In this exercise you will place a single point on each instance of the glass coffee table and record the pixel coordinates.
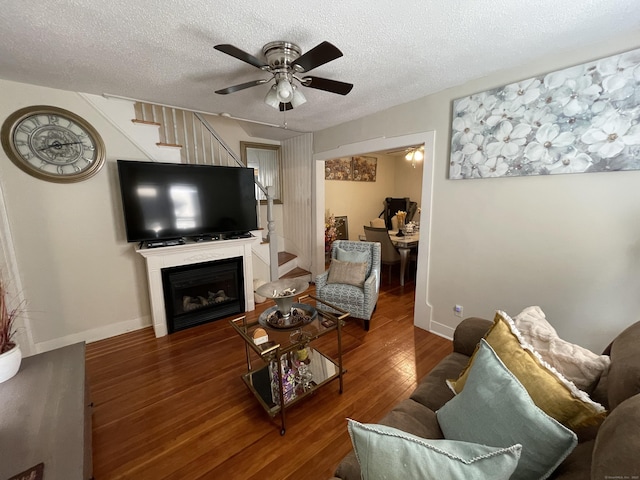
(290, 368)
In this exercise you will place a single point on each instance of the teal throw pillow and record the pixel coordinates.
(388, 453)
(351, 256)
(495, 409)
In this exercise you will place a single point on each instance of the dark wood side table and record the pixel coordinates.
(45, 416)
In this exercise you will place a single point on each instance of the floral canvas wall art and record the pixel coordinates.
(338, 169)
(364, 169)
(359, 169)
(581, 119)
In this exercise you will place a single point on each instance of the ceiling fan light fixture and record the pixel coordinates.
(284, 90)
(415, 155)
(283, 60)
(298, 98)
(272, 98)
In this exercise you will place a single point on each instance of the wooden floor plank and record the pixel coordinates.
(176, 408)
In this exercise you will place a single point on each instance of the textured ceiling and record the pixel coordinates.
(394, 52)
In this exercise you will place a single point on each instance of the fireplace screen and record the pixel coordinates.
(199, 293)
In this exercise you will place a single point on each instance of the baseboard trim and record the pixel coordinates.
(441, 330)
(95, 334)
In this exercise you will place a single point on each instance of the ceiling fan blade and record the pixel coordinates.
(240, 55)
(285, 106)
(241, 86)
(328, 85)
(318, 55)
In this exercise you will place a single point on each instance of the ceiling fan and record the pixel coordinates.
(285, 62)
(413, 153)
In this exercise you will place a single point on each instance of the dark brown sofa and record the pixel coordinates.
(610, 451)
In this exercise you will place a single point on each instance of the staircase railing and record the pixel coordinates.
(201, 144)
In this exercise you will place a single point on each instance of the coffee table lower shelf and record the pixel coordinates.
(324, 370)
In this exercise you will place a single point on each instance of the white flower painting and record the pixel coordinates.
(581, 119)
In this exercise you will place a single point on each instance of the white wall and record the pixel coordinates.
(568, 243)
(81, 280)
(298, 194)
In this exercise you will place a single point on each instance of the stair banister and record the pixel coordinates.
(268, 191)
(271, 235)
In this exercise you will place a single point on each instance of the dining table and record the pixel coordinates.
(404, 243)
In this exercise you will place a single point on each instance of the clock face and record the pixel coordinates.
(53, 144)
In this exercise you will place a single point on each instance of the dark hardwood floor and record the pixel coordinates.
(176, 408)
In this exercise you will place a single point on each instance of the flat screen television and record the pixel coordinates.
(168, 201)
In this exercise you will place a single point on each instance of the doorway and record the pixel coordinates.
(422, 312)
(360, 202)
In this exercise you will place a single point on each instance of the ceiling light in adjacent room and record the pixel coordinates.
(415, 155)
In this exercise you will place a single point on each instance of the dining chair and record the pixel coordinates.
(389, 253)
(377, 223)
(391, 206)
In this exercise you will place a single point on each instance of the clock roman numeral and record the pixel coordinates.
(70, 168)
(24, 128)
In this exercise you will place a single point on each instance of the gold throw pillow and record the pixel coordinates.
(551, 392)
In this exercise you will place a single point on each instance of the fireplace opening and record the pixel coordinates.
(202, 292)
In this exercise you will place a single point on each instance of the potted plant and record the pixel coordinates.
(10, 354)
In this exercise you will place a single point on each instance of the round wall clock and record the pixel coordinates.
(52, 144)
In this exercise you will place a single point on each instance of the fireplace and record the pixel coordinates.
(202, 292)
(163, 258)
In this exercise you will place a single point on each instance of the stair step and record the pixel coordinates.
(296, 272)
(161, 144)
(284, 257)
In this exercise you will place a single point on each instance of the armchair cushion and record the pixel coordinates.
(624, 374)
(348, 273)
(615, 453)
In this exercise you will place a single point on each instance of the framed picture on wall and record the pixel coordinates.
(359, 169)
(342, 228)
(338, 169)
(364, 169)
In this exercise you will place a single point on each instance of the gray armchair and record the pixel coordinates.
(360, 302)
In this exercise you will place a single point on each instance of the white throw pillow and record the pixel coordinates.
(578, 364)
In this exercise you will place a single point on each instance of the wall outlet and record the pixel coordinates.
(458, 309)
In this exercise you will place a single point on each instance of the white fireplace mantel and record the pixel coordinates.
(189, 253)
